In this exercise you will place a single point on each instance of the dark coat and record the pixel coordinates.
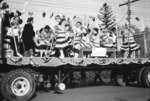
(27, 36)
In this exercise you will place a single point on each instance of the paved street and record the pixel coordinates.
(98, 93)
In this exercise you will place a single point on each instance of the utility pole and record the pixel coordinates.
(128, 3)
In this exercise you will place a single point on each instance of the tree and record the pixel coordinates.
(106, 17)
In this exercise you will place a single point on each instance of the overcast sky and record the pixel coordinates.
(140, 9)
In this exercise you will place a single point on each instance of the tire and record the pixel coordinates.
(105, 77)
(18, 85)
(146, 76)
(140, 76)
(33, 73)
(120, 80)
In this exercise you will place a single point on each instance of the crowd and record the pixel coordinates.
(68, 38)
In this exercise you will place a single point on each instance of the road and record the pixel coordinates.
(98, 93)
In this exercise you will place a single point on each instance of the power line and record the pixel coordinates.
(60, 4)
(53, 8)
(50, 5)
(55, 2)
(138, 7)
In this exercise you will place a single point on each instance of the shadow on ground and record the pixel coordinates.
(148, 99)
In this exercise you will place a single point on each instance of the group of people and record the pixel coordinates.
(67, 39)
(64, 40)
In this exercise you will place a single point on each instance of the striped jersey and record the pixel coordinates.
(62, 37)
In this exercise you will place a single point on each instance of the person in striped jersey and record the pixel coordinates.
(129, 45)
(63, 38)
(81, 40)
(78, 30)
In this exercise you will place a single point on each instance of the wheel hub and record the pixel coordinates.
(20, 86)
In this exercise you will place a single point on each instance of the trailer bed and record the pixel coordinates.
(85, 62)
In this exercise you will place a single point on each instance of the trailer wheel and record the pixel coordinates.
(18, 85)
(105, 77)
(120, 80)
(140, 77)
(146, 76)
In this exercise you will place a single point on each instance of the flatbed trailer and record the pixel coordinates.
(20, 77)
(23, 75)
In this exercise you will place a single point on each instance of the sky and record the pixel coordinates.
(140, 9)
